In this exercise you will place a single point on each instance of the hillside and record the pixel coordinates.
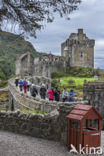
(10, 46)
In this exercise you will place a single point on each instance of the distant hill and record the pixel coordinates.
(10, 46)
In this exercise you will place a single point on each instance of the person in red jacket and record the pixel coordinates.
(50, 94)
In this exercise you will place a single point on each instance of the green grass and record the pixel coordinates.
(75, 83)
(78, 80)
(25, 111)
(2, 108)
(32, 111)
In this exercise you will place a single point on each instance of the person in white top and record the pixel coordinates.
(64, 95)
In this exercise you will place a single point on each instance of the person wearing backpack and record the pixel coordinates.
(43, 91)
(33, 90)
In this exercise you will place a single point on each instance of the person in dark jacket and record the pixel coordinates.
(28, 85)
(43, 91)
(16, 81)
(33, 90)
(57, 94)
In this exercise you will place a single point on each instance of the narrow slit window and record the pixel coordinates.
(81, 54)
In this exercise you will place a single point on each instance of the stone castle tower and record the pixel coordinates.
(80, 49)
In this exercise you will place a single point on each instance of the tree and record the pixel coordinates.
(30, 14)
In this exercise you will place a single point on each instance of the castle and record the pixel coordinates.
(77, 50)
(80, 49)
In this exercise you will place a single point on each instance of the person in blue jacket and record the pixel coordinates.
(21, 84)
(71, 96)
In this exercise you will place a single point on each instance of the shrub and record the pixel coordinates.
(54, 83)
(58, 74)
(3, 83)
(78, 72)
(71, 82)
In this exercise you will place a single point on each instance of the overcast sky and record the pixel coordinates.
(89, 16)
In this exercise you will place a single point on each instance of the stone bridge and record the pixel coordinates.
(52, 125)
(20, 100)
(25, 101)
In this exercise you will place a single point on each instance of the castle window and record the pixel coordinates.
(81, 54)
(56, 59)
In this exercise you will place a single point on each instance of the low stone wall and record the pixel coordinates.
(51, 126)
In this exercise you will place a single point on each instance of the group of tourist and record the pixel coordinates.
(53, 93)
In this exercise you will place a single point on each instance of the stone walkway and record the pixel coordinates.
(28, 93)
(19, 145)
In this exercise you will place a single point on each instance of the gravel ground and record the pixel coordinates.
(19, 145)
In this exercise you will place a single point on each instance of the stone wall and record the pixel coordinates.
(24, 64)
(46, 64)
(38, 80)
(51, 126)
(94, 93)
(43, 65)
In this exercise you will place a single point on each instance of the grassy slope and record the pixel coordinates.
(10, 46)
